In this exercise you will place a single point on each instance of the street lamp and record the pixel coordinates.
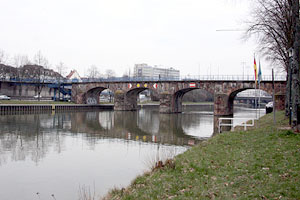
(290, 53)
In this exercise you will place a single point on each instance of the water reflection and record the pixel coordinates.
(45, 152)
(34, 135)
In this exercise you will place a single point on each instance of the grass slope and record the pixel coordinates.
(262, 163)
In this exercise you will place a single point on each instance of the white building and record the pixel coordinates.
(74, 76)
(146, 71)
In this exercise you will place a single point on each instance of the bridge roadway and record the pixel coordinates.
(171, 93)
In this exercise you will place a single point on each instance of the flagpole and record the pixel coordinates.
(255, 79)
(259, 80)
(274, 103)
(259, 99)
(255, 101)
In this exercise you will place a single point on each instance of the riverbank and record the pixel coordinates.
(9, 109)
(262, 163)
(24, 102)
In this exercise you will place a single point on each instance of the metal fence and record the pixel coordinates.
(139, 79)
(234, 122)
(185, 78)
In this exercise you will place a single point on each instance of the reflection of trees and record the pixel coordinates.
(27, 136)
(35, 135)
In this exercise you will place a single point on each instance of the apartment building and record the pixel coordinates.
(146, 71)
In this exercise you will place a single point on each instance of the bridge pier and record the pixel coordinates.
(223, 107)
(170, 103)
(124, 101)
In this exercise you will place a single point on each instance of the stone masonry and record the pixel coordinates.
(171, 93)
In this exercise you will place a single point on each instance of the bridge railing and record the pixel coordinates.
(233, 78)
(139, 79)
(234, 122)
(186, 78)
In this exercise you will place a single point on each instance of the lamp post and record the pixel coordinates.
(290, 53)
(295, 67)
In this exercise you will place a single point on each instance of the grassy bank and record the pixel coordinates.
(262, 163)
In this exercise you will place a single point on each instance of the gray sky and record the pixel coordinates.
(117, 34)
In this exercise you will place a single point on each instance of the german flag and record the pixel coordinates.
(255, 71)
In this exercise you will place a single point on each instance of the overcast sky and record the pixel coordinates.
(117, 34)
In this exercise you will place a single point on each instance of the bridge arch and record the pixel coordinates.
(127, 100)
(232, 96)
(171, 92)
(223, 105)
(178, 96)
(172, 103)
(92, 96)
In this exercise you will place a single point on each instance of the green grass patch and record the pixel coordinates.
(261, 163)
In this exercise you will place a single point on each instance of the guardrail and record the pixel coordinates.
(186, 78)
(138, 79)
(232, 124)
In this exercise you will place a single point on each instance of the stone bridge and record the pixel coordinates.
(171, 92)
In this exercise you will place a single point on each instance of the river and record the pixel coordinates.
(63, 155)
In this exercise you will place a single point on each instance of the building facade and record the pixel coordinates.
(74, 76)
(145, 71)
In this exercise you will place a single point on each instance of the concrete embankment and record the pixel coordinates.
(20, 108)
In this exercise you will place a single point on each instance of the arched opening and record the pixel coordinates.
(191, 96)
(106, 96)
(92, 96)
(249, 102)
(198, 96)
(131, 98)
(144, 96)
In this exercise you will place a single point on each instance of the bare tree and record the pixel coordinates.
(93, 72)
(273, 25)
(18, 62)
(110, 73)
(3, 57)
(277, 24)
(40, 60)
(42, 64)
(61, 69)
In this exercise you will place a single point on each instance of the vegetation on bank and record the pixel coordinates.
(262, 163)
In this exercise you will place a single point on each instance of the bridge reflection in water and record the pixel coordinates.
(34, 134)
(146, 125)
(45, 152)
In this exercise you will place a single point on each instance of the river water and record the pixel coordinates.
(63, 155)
